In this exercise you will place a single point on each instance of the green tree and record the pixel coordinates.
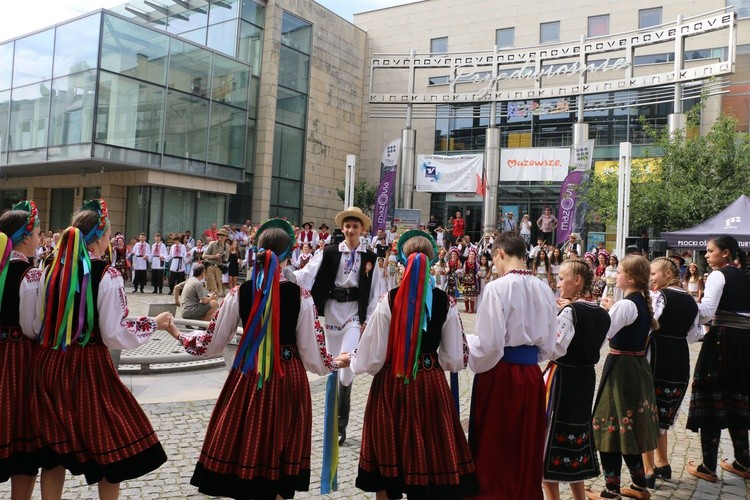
(364, 195)
(697, 177)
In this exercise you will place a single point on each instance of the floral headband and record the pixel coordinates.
(97, 231)
(32, 220)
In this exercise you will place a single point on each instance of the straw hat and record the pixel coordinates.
(354, 213)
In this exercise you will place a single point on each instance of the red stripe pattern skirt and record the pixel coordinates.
(258, 440)
(506, 432)
(17, 442)
(412, 439)
(86, 419)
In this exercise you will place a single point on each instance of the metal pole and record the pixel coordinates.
(405, 196)
(492, 169)
(623, 198)
(351, 166)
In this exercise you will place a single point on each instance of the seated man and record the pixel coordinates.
(197, 303)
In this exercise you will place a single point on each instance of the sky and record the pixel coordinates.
(25, 16)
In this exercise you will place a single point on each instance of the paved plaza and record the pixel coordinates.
(179, 406)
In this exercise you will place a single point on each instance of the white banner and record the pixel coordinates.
(449, 174)
(581, 155)
(534, 164)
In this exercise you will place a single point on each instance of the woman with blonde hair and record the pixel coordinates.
(412, 439)
(625, 420)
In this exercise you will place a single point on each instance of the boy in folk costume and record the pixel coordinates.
(343, 280)
(323, 234)
(504, 354)
(141, 257)
(158, 255)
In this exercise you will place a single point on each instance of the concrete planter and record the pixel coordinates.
(230, 351)
(115, 353)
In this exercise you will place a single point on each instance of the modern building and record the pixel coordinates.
(529, 110)
(186, 112)
(183, 113)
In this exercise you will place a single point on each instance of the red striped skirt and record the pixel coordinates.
(86, 419)
(258, 440)
(17, 442)
(412, 439)
(506, 431)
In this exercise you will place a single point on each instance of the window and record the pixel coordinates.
(504, 37)
(649, 17)
(549, 32)
(439, 45)
(598, 25)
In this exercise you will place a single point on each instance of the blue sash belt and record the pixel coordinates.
(521, 355)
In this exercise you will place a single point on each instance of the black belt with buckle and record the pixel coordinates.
(11, 333)
(289, 352)
(345, 294)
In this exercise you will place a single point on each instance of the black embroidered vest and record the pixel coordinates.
(326, 278)
(431, 337)
(633, 336)
(289, 294)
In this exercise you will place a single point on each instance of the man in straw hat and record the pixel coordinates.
(343, 280)
(214, 257)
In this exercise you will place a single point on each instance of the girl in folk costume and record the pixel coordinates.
(412, 439)
(120, 254)
(439, 269)
(693, 282)
(87, 421)
(19, 238)
(454, 264)
(597, 288)
(392, 275)
(258, 440)
(626, 423)
(569, 454)
(721, 379)
(484, 274)
(610, 277)
(540, 268)
(555, 261)
(304, 256)
(677, 313)
(469, 281)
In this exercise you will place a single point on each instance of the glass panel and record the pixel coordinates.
(4, 116)
(197, 36)
(33, 62)
(210, 211)
(61, 208)
(72, 115)
(291, 108)
(181, 211)
(250, 147)
(223, 11)
(189, 68)
(651, 17)
(251, 46)
(9, 197)
(129, 113)
(155, 212)
(186, 124)
(252, 103)
(549, 32)
(598, 25)
(92, 193)
(188, 21)
(240, 205)
(136, 215)
(288, 152)
(285, 193)
(6, 65)
(439, 45)
(253, 13)
(134, 50)
(505, 37)
(223, 37)
(290, 214)
(226, 139)
(296, 33)
(28, 118)
(77, 45)
(294, 69)
(230, 82)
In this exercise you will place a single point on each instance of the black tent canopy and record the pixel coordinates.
(733, 220)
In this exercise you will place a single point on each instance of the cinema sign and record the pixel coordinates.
(546, 71)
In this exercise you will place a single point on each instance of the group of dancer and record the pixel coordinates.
(529, 430)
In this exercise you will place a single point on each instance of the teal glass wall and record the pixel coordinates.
(291, 118)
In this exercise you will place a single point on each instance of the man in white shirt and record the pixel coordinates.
(158, 256)
(141, 254)
(177, 257)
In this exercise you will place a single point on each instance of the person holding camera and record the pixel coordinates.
(214, 259)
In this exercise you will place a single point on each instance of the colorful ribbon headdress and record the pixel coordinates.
(96, 232)
(259, 347)
(32, 220)
(5, 247)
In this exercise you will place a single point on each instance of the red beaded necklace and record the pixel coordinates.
(518, 271)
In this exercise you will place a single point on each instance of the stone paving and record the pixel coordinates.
(181, 427)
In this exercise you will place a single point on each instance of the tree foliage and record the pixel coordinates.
(697, 177)
(364, 195)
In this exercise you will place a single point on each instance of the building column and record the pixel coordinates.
(580, 132)
(405, 187)
(492, 166)
(676, 123)
(116, 198)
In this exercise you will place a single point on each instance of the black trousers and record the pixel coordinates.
(157, 278)
(175, 278)
(139, 278)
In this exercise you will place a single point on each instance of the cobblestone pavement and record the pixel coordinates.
(181, 427)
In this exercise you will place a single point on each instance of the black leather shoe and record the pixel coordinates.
(342, 436)
(651, 481)
(663, 472)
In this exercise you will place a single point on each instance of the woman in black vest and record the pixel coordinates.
(412, 439)
(258, 440)
(721, 380)
(87, 421)
(569, 453)
(19, 239)
(677, 314)
(624, 420)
